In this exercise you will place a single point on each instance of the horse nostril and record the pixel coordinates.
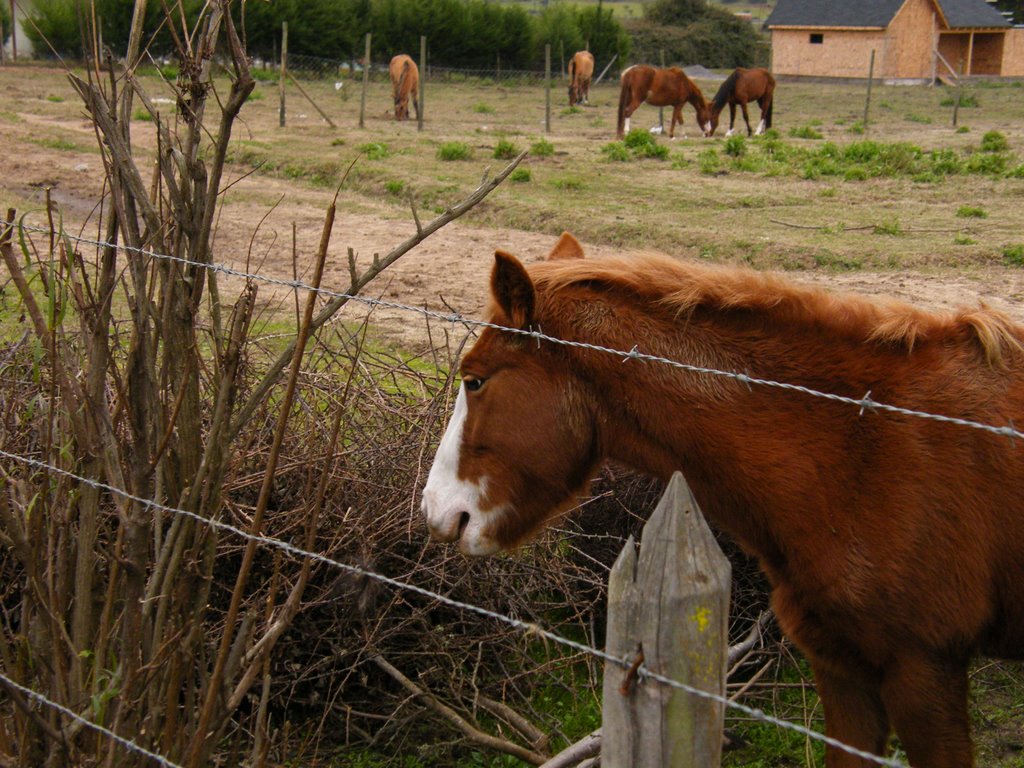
(463, 522)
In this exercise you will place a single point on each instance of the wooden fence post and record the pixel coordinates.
(670, 601)
(366, 81)
(547, 87)
(871, 77)
(284, 71)
(423, 77)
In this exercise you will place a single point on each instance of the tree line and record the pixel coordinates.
(460, 33)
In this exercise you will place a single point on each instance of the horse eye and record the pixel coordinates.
(473, 384)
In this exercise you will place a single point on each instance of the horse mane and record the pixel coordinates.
(725, 90)
(682, 287)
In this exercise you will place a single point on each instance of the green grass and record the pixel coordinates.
(971, 212)
(505, 150)
(454, 150)
(542, 148)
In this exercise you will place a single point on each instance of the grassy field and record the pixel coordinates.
(905, 196)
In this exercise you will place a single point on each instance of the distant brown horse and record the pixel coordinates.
(660, 88)
(894, 545)
(742, 87)
(581, 69)
(405, 83)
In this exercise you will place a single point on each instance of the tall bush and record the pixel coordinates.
(691, 32)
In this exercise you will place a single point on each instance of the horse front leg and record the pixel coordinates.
(677, 117)
(761, 126)
(926, 699)
(746, 118)
(732, 120)
(854, 715)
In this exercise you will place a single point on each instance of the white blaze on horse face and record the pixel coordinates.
(452, 505)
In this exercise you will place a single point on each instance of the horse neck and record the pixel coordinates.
(659, 419)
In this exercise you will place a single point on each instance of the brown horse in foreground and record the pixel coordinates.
(581, 69)
(405, 83)
(894, 545)
(742, 87)
(660, 88)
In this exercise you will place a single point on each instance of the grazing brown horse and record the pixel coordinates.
(581, 69)
(660, 88)
(894, 545)
(742, 87)
(405, 83)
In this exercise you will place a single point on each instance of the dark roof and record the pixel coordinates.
(877, 13)
(971, 13)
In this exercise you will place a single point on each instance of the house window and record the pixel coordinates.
(817, 38)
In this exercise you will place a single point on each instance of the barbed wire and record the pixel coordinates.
(126, 743)
(863, 403)
(526, 627)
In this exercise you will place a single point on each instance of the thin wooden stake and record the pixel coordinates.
(366, 81)
(547, 88)
(871, 77)
(284, 71)
(423, 79)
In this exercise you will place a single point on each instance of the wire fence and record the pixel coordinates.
(317, 68)
(863, 404)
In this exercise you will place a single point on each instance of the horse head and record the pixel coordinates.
(520, 444)
(707, 118)
(401, 108)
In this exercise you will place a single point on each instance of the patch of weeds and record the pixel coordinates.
(944, 162)
(505, 150)
(968, 100)
(616, 152)
(915, 118)
(890, 227)
(254, 95)
(483, 109)
(142, 115)
(394, 187)
(642, 144)
(1016, 172)
(520, 175)
(855, 173)
(573, 110)
(837, 263)
(709, 162)
(569, 184)
(375, 150)
(963, 129)
(61, 144)
(857, 127)
(170, 72)
(454, 150)
(1013, 255)
(54, 98)
(964, 240)
(991, 164)
(735, 146)
(805, 132)
(337, 142)
(971, 212)
(828, 192)
(542, 148)
(994, 141)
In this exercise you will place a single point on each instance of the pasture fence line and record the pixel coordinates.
(641, 671)
(863, 403)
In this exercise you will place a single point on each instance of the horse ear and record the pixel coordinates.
(567, 247)
(512, 289)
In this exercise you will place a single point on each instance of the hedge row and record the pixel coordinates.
(460, 33)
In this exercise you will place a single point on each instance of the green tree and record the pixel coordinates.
(55, 25)
(5, 20)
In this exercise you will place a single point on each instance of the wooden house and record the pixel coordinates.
(912, 40)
